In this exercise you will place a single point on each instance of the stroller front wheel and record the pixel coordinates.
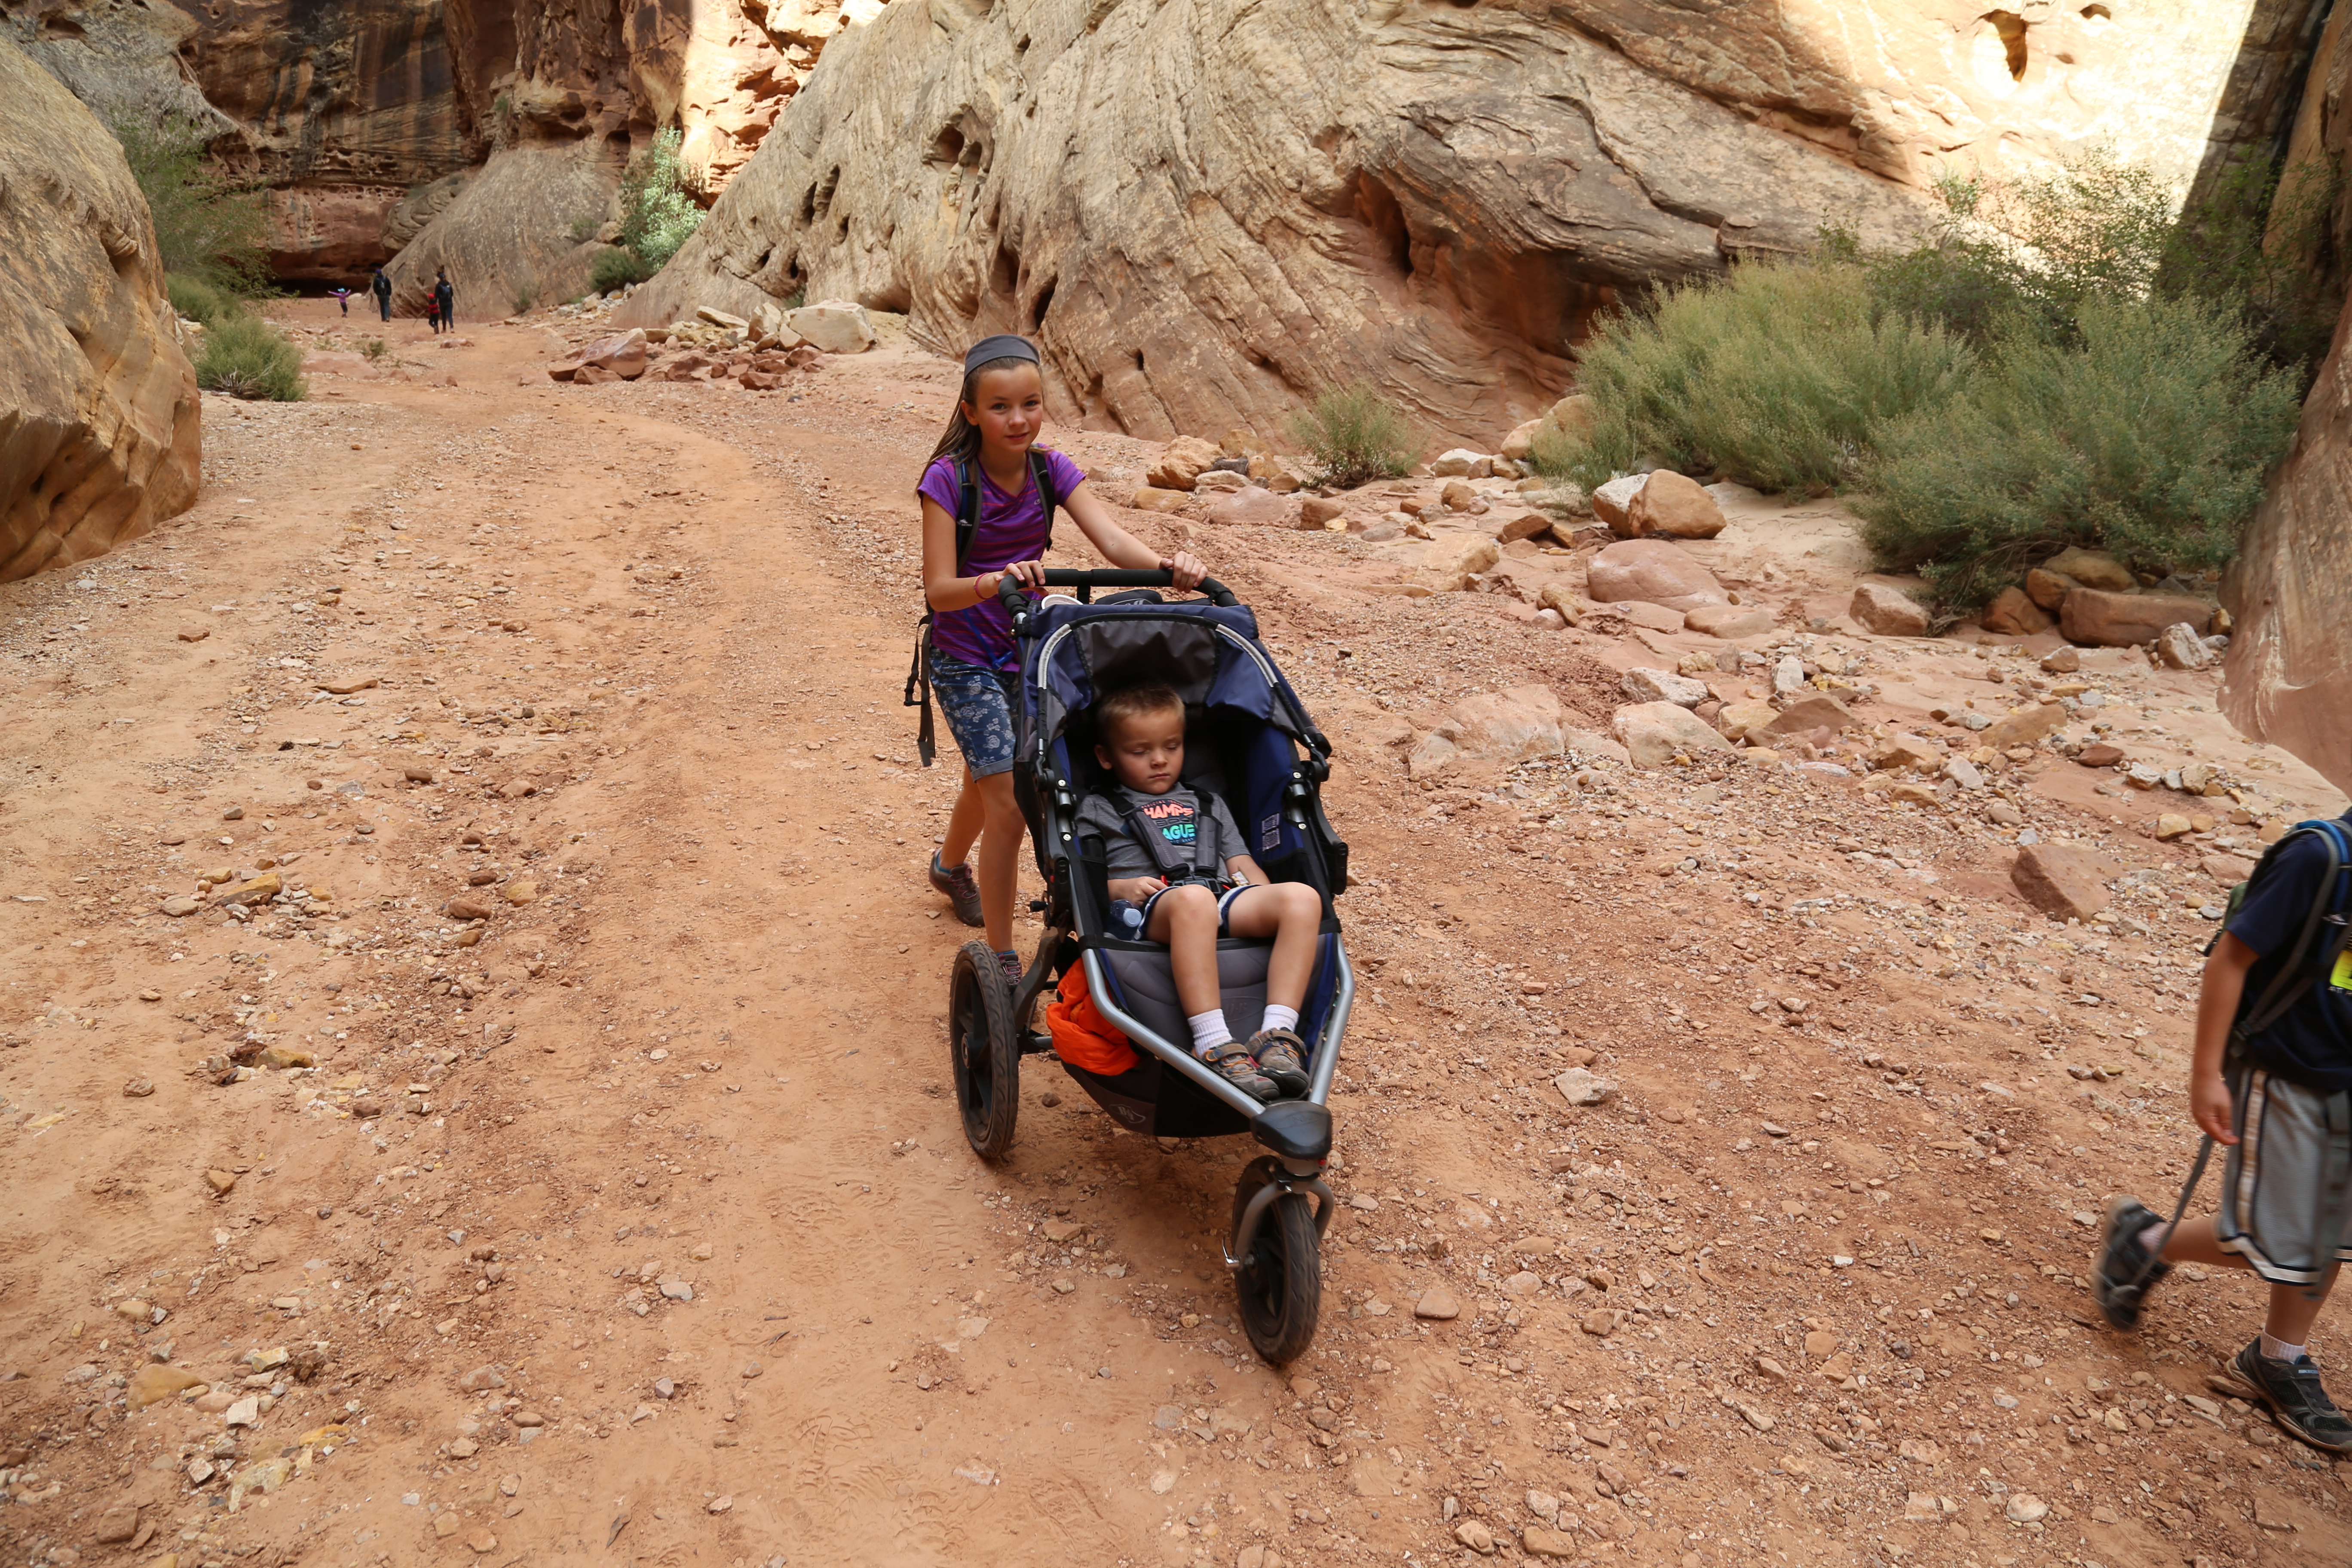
(983, 1051)
(1280, 1280)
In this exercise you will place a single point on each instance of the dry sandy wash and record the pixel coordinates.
(633, 1222)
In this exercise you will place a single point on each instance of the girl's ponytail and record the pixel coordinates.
(961, 439)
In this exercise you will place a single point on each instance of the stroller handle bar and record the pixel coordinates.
(1010, 591)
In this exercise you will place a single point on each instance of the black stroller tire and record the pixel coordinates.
(1280, 1280)
(983, 1051)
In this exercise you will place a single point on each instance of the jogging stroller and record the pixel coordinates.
(1249, 740)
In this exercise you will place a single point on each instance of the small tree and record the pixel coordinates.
(658, 211)
(208, 227)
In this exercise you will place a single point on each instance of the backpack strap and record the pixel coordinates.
(2322, 933)
(967, 519)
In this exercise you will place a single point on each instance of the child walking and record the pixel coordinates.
(2271, 1081)
(1181, 876)
(991, 439)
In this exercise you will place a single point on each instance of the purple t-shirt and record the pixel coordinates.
(1009, 529)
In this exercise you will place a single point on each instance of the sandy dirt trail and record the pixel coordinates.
(632, 1222)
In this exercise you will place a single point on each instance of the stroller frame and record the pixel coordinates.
(1281, 1206)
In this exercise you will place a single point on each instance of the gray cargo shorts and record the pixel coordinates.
(2286, 1177)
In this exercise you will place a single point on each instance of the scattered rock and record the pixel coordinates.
(1462, 463)
(2024, 1508)
(156, 1382)
(1148, 497)
(1611, 501)
(1738, 721)
(2025, 726)
(1316, 510)
(2127, 620)
(621, 356)
(1654, 733)
(180, 905)
(1541, 1541)
(259, 891)
(1654, 571)
(1675, 506)
(467, 909)
(2180, 647)
(521, 890)
(1603, 1321)
(2013, 613)
(1180, 464)
(1438, 1305)
(1905, 752)
(220, 1181)
(1641, 684)
(1730, 621)
(1250, 506)
(2171, 825)
(833, 326)
(2048, 589)
(2227, 869)
(1475, 1536)
(1888, 612)
(2063, 882)
(2091, 569)
(195, 634)
(1452, 573)
(676, 1290)
(1507, 726)
(1803, 715)
(2062, 660)
(1581, 1086)
(138, 1088)
(117, 1522)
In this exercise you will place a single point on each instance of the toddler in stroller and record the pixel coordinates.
(1180, 874)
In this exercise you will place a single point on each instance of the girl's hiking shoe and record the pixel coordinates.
(1015, 972)
(2122, 1261)
(959, 888)
(1279, 1054)
(1232, 1059)
(2291, 1388)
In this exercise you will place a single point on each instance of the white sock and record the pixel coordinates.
(1209, 1030)
(1280, 1017)
(2273, 1350)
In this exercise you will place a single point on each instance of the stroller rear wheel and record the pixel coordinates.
(1280, 1280)
(985, 1050)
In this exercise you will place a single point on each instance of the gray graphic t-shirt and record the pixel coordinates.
(1177, 816)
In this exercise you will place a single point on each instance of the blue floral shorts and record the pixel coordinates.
(978, 706)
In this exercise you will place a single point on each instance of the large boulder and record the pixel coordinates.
(2091, 569)
(1508, 726)
(835, 326)
(1182, 463)
(506, 237)
(98, 427)
(1654, 733)
(2104, 619)
(1887, 611)
(1675, 506)
(2062, 881)
(1654, 571)
(2013, 613)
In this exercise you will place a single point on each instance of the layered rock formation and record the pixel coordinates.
(1208, 209)
(99, 434)
(2288, 678)
(346, 111)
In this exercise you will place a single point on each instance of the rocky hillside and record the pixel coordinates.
(98, 435)
(1207, 210)
(371, 122)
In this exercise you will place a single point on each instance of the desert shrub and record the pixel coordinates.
(2149, 435)
(617, 268)
(657, 205)
(209, 229)
(525, 296)
(374, 348)
(1775, 375)
(583, 227)
(1355, 436)
(198, 300)
(245, 356)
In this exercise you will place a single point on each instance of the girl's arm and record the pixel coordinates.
(1121, 548)
(942, 589)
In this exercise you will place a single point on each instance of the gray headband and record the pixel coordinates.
(1003, 346)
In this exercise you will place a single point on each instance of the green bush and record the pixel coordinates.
(2148, 436)
(1775, 376)
(198, 300)
(658, 206)
(1355, 436)
(616, 269)
(374, 348)
(208, 228)
(245, 356)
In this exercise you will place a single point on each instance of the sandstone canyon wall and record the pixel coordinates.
(2288, 678)
(1207, 210)
(369, 120)
(98, 433)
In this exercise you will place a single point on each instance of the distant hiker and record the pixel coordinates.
(988, 498)
(2271, 1081)
(445, 300)
(381, 287)
(342, 298)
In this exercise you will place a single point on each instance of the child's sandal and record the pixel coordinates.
(1234, 1060)
(1281, 1056)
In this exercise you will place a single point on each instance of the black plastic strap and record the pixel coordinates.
(1193, 868)
(919, 692)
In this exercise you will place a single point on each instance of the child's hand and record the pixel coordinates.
(1186, 568)
(1136, 889)
(2208, 1102)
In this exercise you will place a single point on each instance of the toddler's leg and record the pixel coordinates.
(1290, 912)
(1184, 918)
